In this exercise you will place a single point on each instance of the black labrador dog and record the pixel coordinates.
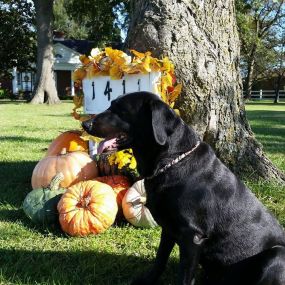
(200, 204)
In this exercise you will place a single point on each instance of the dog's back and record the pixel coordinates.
(200, 204)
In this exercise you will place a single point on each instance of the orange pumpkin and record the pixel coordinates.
(88, 207)
(75, 166)
(69, 140)
(119, 183)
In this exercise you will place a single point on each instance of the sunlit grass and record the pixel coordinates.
(32, 255)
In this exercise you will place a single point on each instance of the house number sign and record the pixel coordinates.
(99, 91)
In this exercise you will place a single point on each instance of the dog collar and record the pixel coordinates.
(173, 162)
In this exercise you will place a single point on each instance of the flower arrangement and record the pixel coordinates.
(115, 63)
(123, 158)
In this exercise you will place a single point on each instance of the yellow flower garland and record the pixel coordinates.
(116, 63)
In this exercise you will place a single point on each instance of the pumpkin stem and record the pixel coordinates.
(54, 184)
(139, 200)
(84, 202)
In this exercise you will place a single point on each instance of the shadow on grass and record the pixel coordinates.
(59, 115)
(69, 267)
(54, 267)
(15, 180)
(258, 103)
(23, 139)
(12, 102)
(267, 126)
(11, 215)
(266, 115)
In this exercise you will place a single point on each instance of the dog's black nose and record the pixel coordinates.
(87, 125)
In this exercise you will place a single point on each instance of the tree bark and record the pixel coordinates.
(45, 82)
(201, 38)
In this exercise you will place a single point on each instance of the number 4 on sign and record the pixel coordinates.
(108, 90)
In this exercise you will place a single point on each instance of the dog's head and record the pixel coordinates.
(141, 121)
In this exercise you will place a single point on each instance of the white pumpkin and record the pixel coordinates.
(134, 208)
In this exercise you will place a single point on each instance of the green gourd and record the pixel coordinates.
(40, 205)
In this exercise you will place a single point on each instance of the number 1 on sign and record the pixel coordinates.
(93, 93)
(139, 85)
(124, 86)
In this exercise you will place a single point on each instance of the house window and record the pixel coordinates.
(58, 56)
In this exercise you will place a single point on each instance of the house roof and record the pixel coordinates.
(81, 46)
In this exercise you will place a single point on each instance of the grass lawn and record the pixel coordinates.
(32, 255)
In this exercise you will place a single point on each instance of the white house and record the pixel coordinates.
(66, 60)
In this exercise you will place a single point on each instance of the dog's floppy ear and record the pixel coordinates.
(162, 116)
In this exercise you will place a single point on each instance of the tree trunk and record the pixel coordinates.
(249, 78)
(277, 89)
(201, 39)
(45, 81)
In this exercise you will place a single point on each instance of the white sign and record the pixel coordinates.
(99, 91)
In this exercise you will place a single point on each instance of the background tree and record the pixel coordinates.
(64, 22)
(98, 19)
(278, 69)
(201, 38)
(258, 26)
(45, 82)
(17, 19)
(103, 20)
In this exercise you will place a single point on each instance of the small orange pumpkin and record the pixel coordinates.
(69, 140)
(119, 183)
(88, 207)
(75, 166)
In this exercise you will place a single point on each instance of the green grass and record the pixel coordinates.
(268, 123)
(33, 255)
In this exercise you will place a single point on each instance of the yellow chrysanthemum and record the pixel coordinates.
(123, 158)
(133, 164)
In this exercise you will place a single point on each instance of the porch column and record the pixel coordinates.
(15, 89)
(72, 85)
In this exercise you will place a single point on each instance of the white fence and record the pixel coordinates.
(266, 94)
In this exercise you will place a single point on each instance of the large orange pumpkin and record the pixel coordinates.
(119, 183)
(69, 140)
(75, 166)
(88, 207)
